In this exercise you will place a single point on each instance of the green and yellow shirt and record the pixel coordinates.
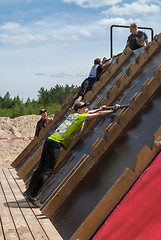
(68, 130)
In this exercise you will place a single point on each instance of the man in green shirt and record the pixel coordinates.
(62, 137)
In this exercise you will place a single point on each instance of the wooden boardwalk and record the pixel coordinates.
(18, 219)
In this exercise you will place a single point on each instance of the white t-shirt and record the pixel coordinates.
(93, 71)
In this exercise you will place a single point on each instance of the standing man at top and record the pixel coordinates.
(137, 38)
(42, 122)
(62, 137)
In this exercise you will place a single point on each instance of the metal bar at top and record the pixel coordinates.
(123, 26)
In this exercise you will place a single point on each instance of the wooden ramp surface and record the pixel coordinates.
(19, 219)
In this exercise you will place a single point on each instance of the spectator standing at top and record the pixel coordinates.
(42, 122)
(137, 38)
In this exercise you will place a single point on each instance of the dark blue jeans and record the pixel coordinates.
(48, 160)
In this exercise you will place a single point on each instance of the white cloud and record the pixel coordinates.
(17, 34)
(65, 75)
(135, 8)
(41, 74)
(12, 27)
(93, 3)
(14, 34)
(150, 1)
(61, 75)
(110, 21)
(9, 1)
(85, 32)
(21, 40)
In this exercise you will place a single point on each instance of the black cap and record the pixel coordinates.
(42, 111)
(78, 105)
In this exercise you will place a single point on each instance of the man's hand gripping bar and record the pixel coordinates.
(114, 107)
(121, 107)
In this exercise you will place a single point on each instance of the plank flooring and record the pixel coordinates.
(19, 220)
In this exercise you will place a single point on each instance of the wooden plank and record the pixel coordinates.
(6, 218)
(15, 211)
(1, 229)
(26, 151)
(45, 223)
(30, 218)
(66, 186)
(30, 164)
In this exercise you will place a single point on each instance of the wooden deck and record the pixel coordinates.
(19, 219)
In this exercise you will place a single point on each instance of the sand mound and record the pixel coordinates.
(23, 126)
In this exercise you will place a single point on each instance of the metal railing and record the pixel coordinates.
(122, 26)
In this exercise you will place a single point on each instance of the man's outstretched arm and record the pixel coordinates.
(93, 114)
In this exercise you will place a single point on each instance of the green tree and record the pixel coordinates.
(51, 100)
(7, 101)
(43, 96)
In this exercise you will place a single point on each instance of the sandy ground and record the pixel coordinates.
(23, 126)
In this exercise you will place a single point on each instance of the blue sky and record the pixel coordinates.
(49, 42)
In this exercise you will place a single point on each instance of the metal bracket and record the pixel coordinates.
(158, 142)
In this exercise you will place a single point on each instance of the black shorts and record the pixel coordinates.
(86, 86)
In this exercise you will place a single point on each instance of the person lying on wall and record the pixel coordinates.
(93, 77)
(103, 67)
(62, 138)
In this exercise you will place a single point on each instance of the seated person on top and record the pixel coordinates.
(137, 38)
